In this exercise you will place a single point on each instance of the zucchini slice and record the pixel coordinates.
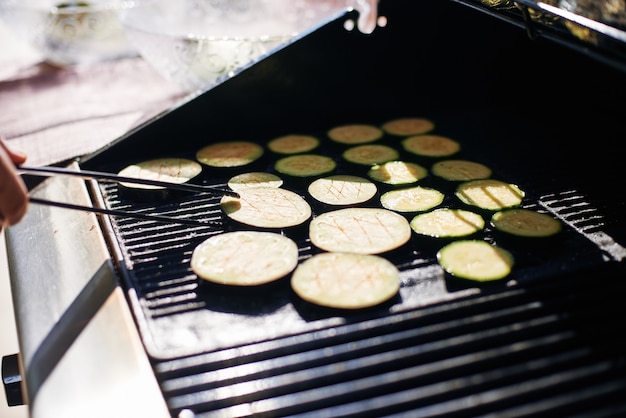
(431, 145)
(293, 144)
(397, 172)
(408, 126)
(526, 223)
(490, 194)
(229, 154)
(345, 280)
(475, 260)
(244, 258)
(369, 154)
(254, 179)
(447, 223)
(355, 134)
(460, 170)
(359, 230)
(172, 170)
(305, 165)
(342, 190)
(267, 207)
(412, 199)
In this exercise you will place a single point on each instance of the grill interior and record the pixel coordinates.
(548, 340)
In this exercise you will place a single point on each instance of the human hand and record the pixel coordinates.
(13, 191)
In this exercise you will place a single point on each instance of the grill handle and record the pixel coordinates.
(12, 380)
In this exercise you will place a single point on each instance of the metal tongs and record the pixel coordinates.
(109, 177)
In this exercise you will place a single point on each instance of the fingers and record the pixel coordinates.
(13, 191)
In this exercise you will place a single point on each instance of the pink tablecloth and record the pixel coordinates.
(55, 114)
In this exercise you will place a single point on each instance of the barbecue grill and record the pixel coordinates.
(113, 321)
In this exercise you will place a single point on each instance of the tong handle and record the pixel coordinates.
(98, 175)
(115, 212)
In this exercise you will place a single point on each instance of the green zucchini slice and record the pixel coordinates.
(355, 134)
(526, 223)
(412, 199)
(460, 170)
(431, 145)
(230, 154)
(490, 194)
(346, 280)
(475, 260)
(447, 223)
(397, 172)
(408, 126)
(305, 165)
(369, 154)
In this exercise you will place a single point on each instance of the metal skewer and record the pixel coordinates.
(97, 175)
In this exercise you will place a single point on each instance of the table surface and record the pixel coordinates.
(56, 114)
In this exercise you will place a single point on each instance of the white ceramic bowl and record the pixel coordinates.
(198, 43)
(69, 33)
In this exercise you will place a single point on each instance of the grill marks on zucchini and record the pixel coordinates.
(342, 190)
(490, 194)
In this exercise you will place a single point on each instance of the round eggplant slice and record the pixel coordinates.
(359, 230)
(475, 260)
(346, 280)
(254, 179)
(355, 134)
(267, 207)
(489, 194)
(244, 258)
(293, 144)
(230, 154)
(431, 145)
(171, 170)
(408, 126)
(342, 190)
(370, 154)
(526, 223)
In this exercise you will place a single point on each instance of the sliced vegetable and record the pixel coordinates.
(431, 145)
(355, 134)
(345, 280)
(526, 223)
(305, 165)
(490, 194)
(342, 190)
(230, 154)
(359, 230)
(293, 144)
(267, 207)
(254, 179)
(244, 258)
(412, 199)
(460, 170)
(447, 223)
(397, 172)
(408, 126)
(172, 170)
(369, 154)
(475, 260)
